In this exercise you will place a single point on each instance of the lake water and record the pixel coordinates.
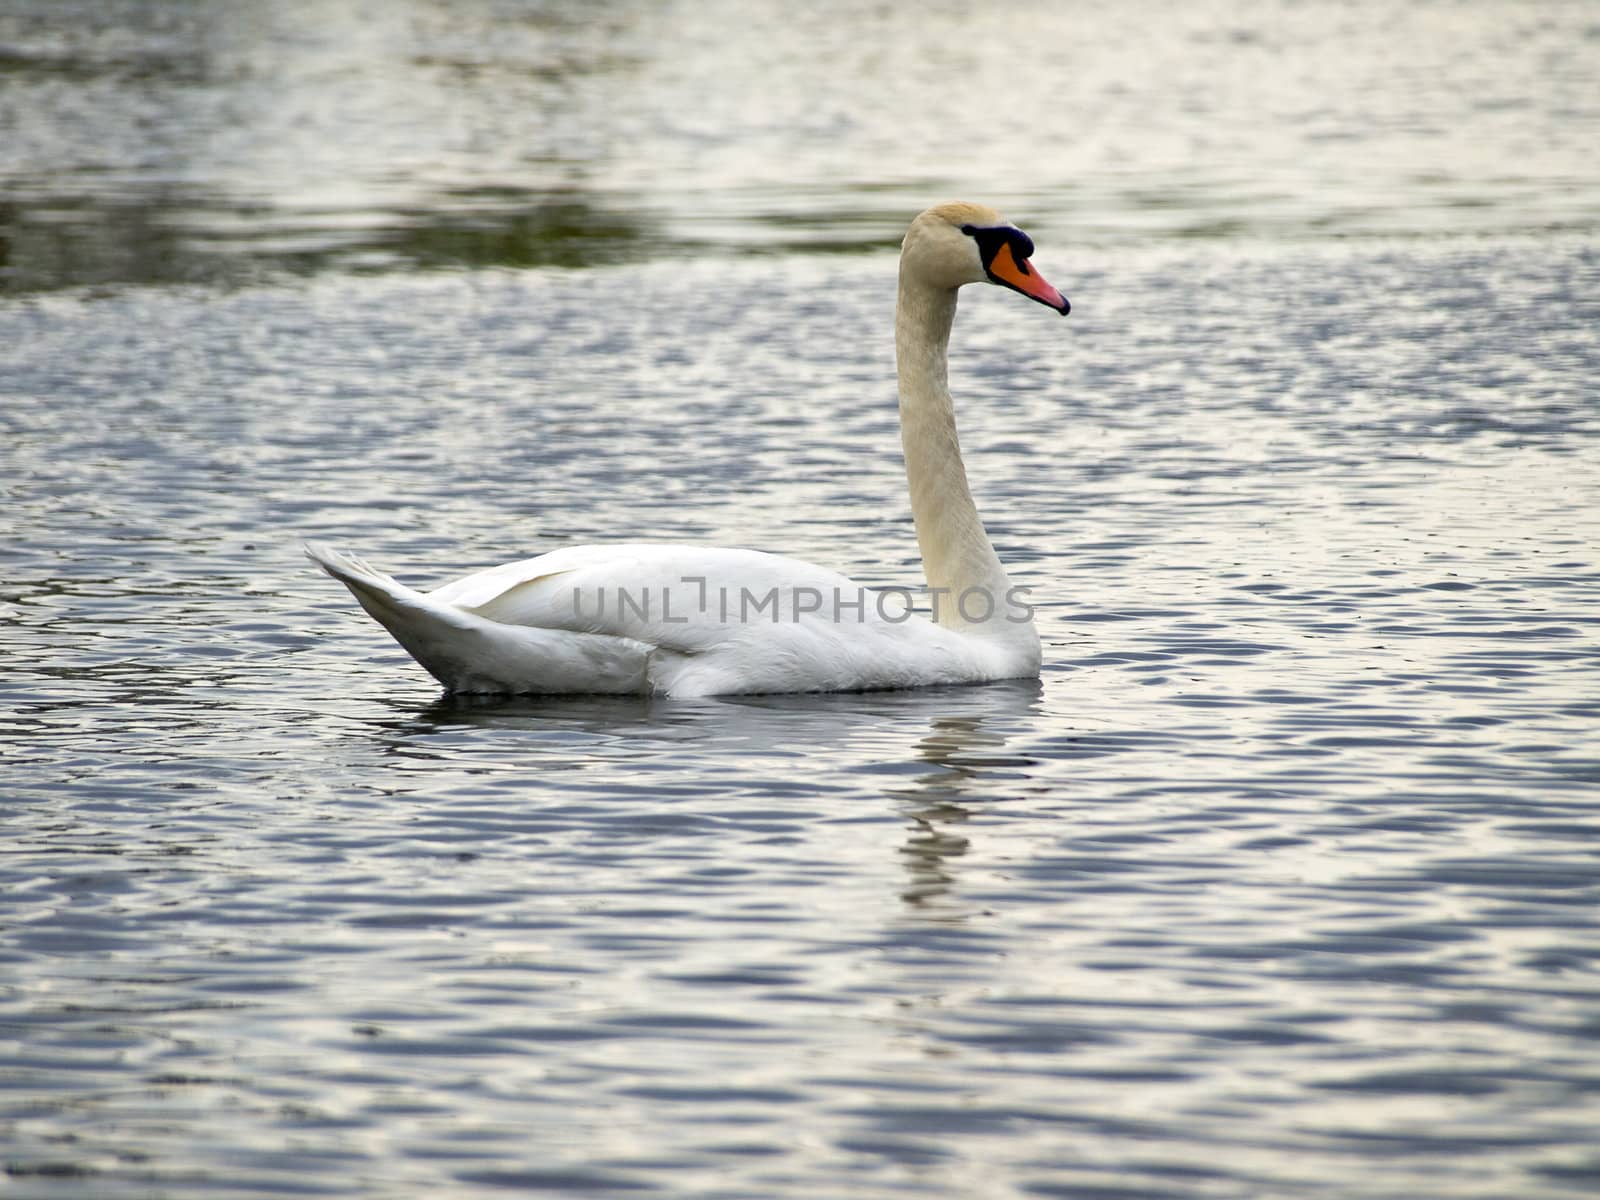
(1281, 882)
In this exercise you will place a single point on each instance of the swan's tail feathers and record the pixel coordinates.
(468, 653)
(425, 628)
(349, 570)
(380, 595)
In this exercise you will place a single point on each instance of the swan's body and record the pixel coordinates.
(687, 620)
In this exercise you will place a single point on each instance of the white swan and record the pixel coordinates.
(685, 620)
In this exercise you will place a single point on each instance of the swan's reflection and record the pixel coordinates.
(968, 754)
(938, 804)
(960, 741)
(823, 720)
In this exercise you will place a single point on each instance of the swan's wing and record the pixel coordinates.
(483, 587)
(689, 599)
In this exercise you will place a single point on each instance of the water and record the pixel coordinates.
(1280, 882)
(177, 141)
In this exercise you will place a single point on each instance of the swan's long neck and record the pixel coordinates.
(957, 557)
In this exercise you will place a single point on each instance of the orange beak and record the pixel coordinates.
(1016, 273)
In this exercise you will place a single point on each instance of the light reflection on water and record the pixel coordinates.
(1280, 881)
(170, 142)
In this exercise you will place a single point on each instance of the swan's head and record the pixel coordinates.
(954, 244)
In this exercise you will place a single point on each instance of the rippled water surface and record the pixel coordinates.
(1282, 881)
(186, 140)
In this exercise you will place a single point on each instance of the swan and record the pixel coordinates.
(685, 620)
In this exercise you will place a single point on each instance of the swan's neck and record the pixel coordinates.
(961, 566)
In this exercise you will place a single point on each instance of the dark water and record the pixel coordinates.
(1283, 880)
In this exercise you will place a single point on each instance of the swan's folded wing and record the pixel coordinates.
(485, 587)
(690, 599)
